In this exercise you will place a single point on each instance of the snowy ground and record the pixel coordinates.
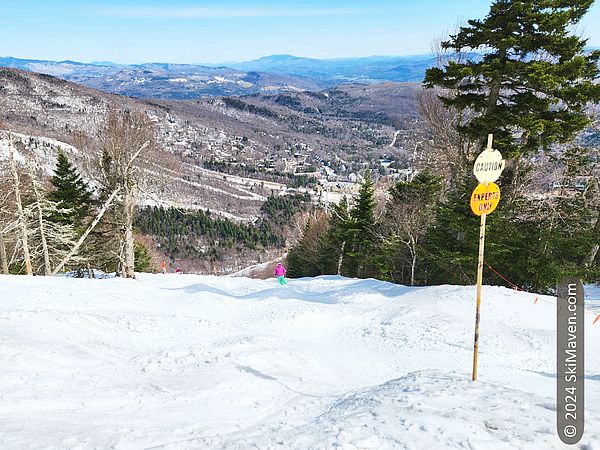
(183, 361)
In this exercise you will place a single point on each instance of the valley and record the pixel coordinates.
(230, 154)
(226, 155)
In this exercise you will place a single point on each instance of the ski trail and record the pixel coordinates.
(394, 138)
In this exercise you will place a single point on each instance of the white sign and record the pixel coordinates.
(488, 166)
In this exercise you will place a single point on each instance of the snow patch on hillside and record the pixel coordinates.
(41, 149)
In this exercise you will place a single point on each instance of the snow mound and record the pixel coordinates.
(185, 361)
(428, 409)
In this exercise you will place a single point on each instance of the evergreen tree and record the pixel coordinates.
(143, 261)
(361, 232)
(70, 193)
(335, 240)
(186, 234)
(279, 210)
(529, 85)
(533, 242)
(451, 243)
(532, 84)
(305, 258)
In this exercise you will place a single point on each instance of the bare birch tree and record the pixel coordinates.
(49, 241)
(22, 219)
(40, 220)
(4, 219)
(128, 148)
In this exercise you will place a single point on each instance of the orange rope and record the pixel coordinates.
(513, 285)
(517, 288)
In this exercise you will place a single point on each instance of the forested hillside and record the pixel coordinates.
(200, 241)
(197, 240)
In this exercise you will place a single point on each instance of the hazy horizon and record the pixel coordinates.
(217, 63)
(208, 32)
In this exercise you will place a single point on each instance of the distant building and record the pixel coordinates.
(405, 175)
(580, 185)
(385, 162)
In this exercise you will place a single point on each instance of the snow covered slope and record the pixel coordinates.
(183, 361)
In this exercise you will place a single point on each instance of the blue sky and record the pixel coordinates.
(185, 31)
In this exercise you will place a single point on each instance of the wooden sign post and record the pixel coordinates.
(484, 199)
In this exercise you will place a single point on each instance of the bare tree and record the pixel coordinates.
(8, 215)
(443, 149)
(41, 240)
(407, 228)
(20, 212)
(4, 196)
(49, 240)
(127, 143)
(307, 253)
(592, 202)
(316, 227)
(593, 193)
(40, 221)
(409, 213)
(3, 256)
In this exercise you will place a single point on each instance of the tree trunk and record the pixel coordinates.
(121, 265)
(591, 256)
(495, 88)
(593, 253)
(128, 244)
(22, 221)
(412, 248)
(47, 268)
(341, 259)
(3, 257)
(129, 186)
(496, 85)
(412, 268)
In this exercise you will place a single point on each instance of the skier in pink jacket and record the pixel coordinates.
(280, 273)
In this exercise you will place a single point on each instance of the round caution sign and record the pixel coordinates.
(488, 166)
(485, 198)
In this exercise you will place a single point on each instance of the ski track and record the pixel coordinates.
(186, 361)
(249, 195)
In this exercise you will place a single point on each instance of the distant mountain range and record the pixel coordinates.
(274, 73)
(344, 70)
